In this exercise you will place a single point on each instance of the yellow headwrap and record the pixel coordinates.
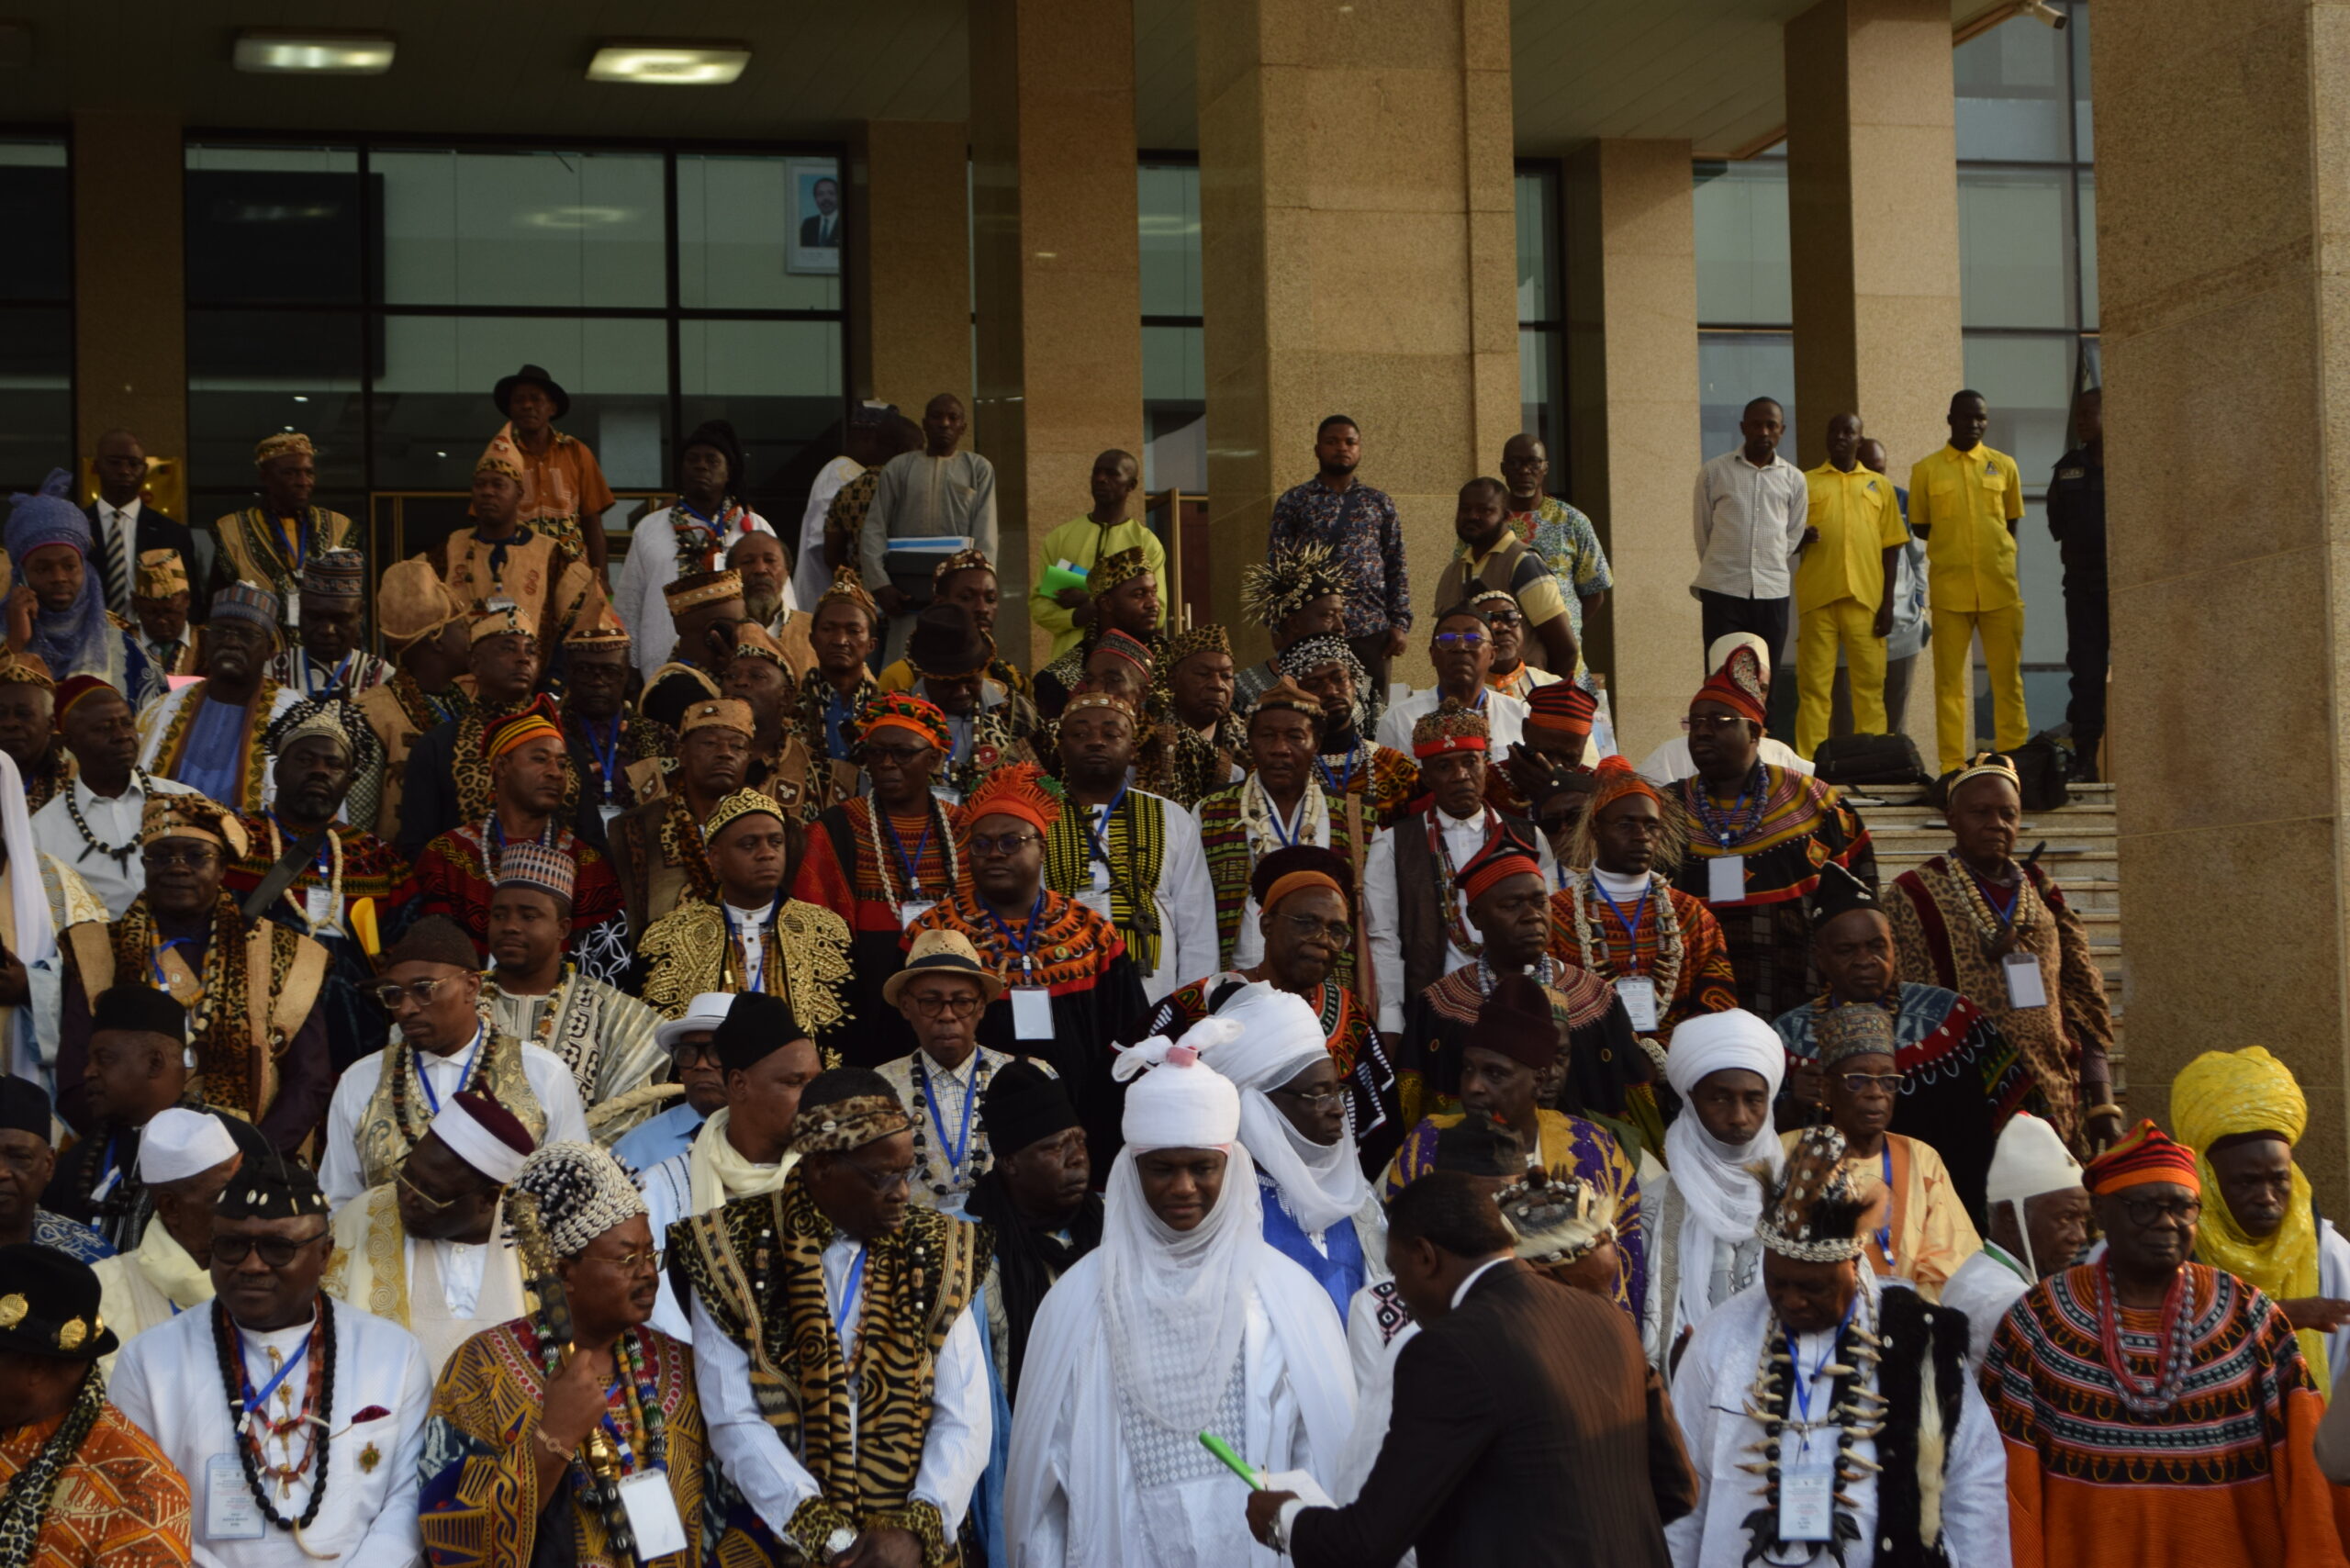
(2223, 1094)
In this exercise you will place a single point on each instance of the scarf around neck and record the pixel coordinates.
(1723, 1201)
(716, 1171)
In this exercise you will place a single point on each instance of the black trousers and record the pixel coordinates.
(2089, 628)
(1722, 613)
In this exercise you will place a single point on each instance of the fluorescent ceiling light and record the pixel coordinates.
(334, 54)
(669, 64)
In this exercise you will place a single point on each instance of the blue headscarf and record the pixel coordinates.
(78, 640)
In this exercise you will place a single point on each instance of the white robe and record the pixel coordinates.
(147, 1287)
(1984, 1286)
(550, 1079)
(1709, 1397)
(168, 1381)
(650, 568)
(1070, 1499)
(453, 1290)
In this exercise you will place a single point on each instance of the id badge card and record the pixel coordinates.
(653, 1513)
(1639, 995)
(610, 813)
(1725, 880)
(1806, 1504)
(1032, 1013)
(323, 909)
(2025, 988)
(913, 910)
(230, 1511)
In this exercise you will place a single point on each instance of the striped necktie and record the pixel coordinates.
(118, 560)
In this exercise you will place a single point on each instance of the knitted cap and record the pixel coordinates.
(336, 573)
(526, 863)
(248, 602)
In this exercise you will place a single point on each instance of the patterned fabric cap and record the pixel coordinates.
(1504, 854)
(971, 560)
(1855, 1029)
(161, 572)
(725, 713)
(581, 1192)
(1454, 726)
(903, 710)
(312, 720)
(336, 573)
(1289, 581)
(527, 863)
(502, 618)
(1615, 778)
(499, 737)
(270, 1188)
(849, 1124)
(741, 803)
(278, 445)
(1133, 650)
(752, 642)
(601, 630)
(848, 587)
(2144, 1154)
(702, 588)
(1562, 708)
(1016, 791)
(1287, 695)
(1195, 641)
(1114, 570)
(1739, 685)
(500, 457)
(248, 602)
(412, 602)
(73, 689)
(20, 668)
(1085, 696)
(1984, 765)
(191, 816)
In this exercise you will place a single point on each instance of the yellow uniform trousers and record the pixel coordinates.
(1851, 625)
(1954, 671)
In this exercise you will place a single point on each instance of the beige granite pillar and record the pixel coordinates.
(1632, 412)
(1358, 256)
(1873, 241)
(909, 262)
(1059, 255)
(129, 304)
(2225, 304)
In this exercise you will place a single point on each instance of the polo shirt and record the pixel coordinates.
(1967, 500)
(1858, 522)
(1508, 565)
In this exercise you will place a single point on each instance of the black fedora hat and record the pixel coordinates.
(946, 641)
(50, 1306)
(503, 393)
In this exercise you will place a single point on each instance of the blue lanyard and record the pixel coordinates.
(1802, 1380)
(1885, 1232)
(252, 1401)
(2002, 909)
(325, 863)
(463, 1076)
(1026, 943)
(155, 961)
(1331, 781)
(111, 1170)
(956, 1150)
(1283, 830)
(911, 866)
(1632, 926)
(606, 755)
(848, 1300)
(297, 549)
(1096, 844)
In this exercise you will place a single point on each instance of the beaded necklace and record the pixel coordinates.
(1728, 827)
(119, 855)
(331, 852)
(2145, 1397)
(631, 1411)
(254, 1435)
(1593, 946)
(1854, 1411)
(965, 1154)
(1262, 822)
(936, 822)
(1545, 970)
(1987, 922)
(1456, 927)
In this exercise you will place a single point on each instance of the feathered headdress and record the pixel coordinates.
(1812, 1214)
(1290, 579)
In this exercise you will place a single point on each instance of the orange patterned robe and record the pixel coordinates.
(120, 1502)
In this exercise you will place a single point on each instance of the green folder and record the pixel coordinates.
(1053, 580)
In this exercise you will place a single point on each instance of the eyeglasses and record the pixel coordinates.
(276, 1252)
(1710, 723)
(1500, 619)
(1471, 640)
(195, 856)
(1308, 926)
(896, 755)
(1322, 1096)
(881, 1182)
(693, 1053)
(1010, 844)
(961, 1005)
(437, 1206)
(389, 994)
(2150, 1211)
(630, 1262)
(1861, 1082)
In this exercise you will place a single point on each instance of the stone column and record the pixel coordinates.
(130, 302)
(909, 260)
(1059, 255)
(1358, 256)
(1632, 402)
(2224, 301)
(1873, 241)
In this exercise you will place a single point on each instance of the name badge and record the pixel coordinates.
(230, 1510)
(1032, 1013)
(1639, 995)
(1806, 1504)
(321, 908)
(610, 813)
(2025, 988)
(913, 910)
(653, 1513)
(1725, 882)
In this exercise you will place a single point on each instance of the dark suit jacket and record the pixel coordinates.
(1528, 1429)
(811, 229)
(155, 531)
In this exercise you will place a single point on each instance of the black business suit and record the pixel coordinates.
(155, 531)
(1529, 1429)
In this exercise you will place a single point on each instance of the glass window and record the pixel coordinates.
(37, 213)
(36, 394)
(2014, 245)
(1538, 271)
(1169, 195)
(254, 372)
(1174, 396)
(1541, 398)
(736, 236)
(2086, 180)
(275, 225)
(1734, 368)
(2014, 88)
(2083, 142)
(546, 229)
(779, 383)
(2027, 380)
(1741, 223)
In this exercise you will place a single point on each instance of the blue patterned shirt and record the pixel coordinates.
(1360, 526)
(1565, 537)
(68, 1236)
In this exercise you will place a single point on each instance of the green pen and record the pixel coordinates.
(1232, 1460)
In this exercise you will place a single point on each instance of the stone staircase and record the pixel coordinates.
(2080, 857)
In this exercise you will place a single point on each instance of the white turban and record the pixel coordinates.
(1260, 1038)
(475, 1143)
(1712, 1042)
(178, 1143)
(1180, 1103)
(2028, 1160)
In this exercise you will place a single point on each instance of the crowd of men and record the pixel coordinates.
(697, 1060)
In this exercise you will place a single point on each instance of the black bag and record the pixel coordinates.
(2041, 767)
(1849, 760)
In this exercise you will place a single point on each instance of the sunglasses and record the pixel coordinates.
(276, 1252)
(1462, 640)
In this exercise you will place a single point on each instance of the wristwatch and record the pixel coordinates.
(836, 1544)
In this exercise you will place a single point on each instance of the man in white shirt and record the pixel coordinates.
(92, 825)
(1670, 762)
(386, 1101)
(437, 1222)
(868, 422)
(1462, 648)
(841, 1238)
(325, 1469)
(690, 537)
(1753, 510)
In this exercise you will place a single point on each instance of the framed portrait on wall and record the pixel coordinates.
(817, 226)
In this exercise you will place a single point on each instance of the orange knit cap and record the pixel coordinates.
(502, 735)
(1016, 791)
(1613, 780)
(2144, 1155)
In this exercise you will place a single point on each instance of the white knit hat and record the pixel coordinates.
(1180, 1103)
(2029, 1160)
(179, 1143)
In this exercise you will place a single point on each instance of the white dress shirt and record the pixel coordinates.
(547, 1073)
(809, 576)
(1670, 763)
(168, 1381)
(113, 822)
(1463, 837)
(771, 1477)
(1749, 521)
(1187, 937)
(651, 568)
(1504, 720)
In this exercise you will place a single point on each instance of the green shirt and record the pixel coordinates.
(1082, 542)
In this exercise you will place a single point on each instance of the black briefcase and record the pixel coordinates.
(1852, 760)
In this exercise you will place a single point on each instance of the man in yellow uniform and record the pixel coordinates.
(1845, 587)
(1964, 501)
